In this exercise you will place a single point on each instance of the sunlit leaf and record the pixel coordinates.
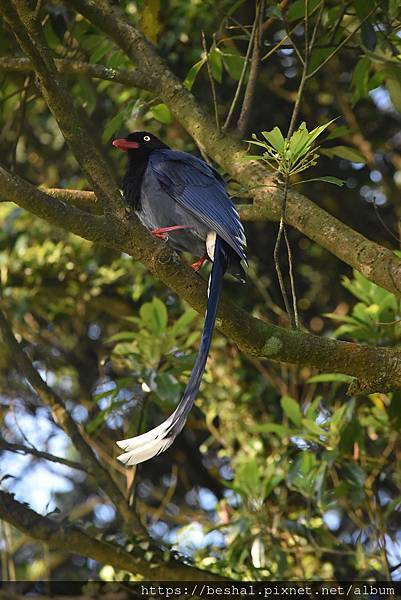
(162, 113)
(344, 152)
(326, 377)
(150, 23)
(193, 73)
(275, 138)
(216, 63)
(325, 178)
(291, 409)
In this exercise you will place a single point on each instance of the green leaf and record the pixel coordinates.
(338, 132)
(354, 474)
(360, 78)
(216, 64)
(393, 8)
(364, 7)
(280, 430)
(313, 427)
(248, 477)
(275, 138)
(123, 336)
(184, 321)
(291, 409)
(273, 11)
(325, 377)
(314, 134)
(99, 52)
(301, 140)
(150, 23)
(298, 143)
(154, 315)
(193, 73)
(368, 36)
(326, 178)
(234, 63)
(112, 126)
(297, 9)
(88, 93)
(344, 152)
(162, 113)
(393, 84)
(313, 409)
(167, 387)
(303, 472)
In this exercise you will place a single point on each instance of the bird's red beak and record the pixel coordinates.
(125, 145)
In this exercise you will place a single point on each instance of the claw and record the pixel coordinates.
(198, 263)
(162, 232)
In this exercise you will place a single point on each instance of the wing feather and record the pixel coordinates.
(198, 188)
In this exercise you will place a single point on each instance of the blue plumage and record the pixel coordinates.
(199, 189)
(181, 198)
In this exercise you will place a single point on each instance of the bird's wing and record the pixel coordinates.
(199, 189)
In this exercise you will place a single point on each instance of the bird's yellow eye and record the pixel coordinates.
(146, 138)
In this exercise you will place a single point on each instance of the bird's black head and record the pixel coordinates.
(139, 143)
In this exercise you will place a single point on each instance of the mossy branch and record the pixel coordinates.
(68, 538)
(375, 368)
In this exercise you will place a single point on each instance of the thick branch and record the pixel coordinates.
(378, 264)
(71, 539)
(86, 202)
(133, 77)
(376, 368)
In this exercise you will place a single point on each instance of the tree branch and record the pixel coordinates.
(250, 89)
(20, 448)
(375, 368)
(375, 262)
(133, 77)
(67, 538)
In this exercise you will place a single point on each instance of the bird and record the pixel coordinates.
(181, 199)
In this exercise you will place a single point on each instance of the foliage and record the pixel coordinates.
(375, 318)
(280, 474)
(292, 156)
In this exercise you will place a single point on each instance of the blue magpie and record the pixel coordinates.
(182, 199)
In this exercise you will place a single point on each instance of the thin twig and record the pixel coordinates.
(294, 318)
(286, 37)
(295, 47)
(345, 40)
(382, 222)
(292, 282)
(20, 448)
(292, 314)
(337, 25)
(242, 77)
(253, 72)
(269, 22)
(21, 120)
(211, 80)
(276, 256)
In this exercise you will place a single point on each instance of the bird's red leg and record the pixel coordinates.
(161, 232)
(198, 263)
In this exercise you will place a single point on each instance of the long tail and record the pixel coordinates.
(157, 440)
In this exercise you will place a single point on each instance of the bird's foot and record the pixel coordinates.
(162, 232)
(198, 263)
